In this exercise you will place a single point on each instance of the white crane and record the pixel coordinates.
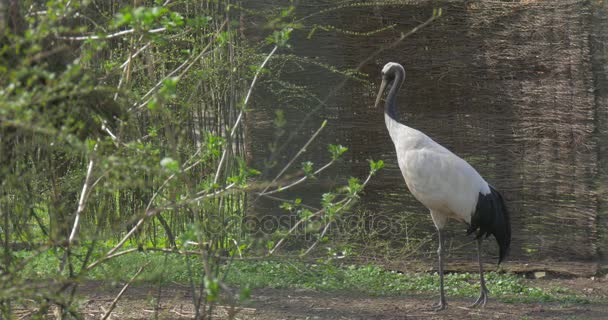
(444, 183)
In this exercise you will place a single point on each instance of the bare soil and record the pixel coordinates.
(139, 302)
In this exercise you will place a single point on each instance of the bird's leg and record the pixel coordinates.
(442, 304)
(483, 296)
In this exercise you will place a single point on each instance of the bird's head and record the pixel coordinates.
(391, 73)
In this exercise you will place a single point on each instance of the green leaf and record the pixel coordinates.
(245, 293)
(169, 89)
(286, 206)
(199, 22)
(212, 288)
(307, 167)
(354, 186)
(327, 199)
(280, 38)
(279, 120)
(305, 214)
(375, 165)
(270, 244)
(336, 151)
(91, 144)
(288, 11)
(222, 38)
(170, 164)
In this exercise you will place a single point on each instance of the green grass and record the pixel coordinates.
(365, 279)
(374, 280)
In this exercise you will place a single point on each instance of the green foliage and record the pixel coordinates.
(376, 165)
(145, 18)
(354, 187)
(336, 151)
(280, 38)
(212, 288)
(375, 280)
(170, 164)
(122, 115)
(307, 167)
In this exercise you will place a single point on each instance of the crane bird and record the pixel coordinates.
(444, 183)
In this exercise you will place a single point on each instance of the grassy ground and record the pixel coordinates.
(292, 289)
(322, 276)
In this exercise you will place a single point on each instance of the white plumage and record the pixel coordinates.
(443, 182)
(432, 174)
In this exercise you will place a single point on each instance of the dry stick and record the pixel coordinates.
(346, 203)
(369, 176)
(134, 55)
(280, 242)
(149, 212)
(126, 66)
(302, 150)
(113, 305)
(83, 198)
(81, 205)
(436, 15)
(287, 200)
(188, 63)
(110, 256)
(153, 212)
(295, 183)
(109, 36)
(295, 226)
(240, 116)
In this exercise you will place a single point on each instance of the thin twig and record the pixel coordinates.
(295, 183)
(302, 150)
(240, 116)
(345, 205)
(109, 36)
(287, 200)
(153, 212)
(83, 197)
(110, 256)
(187, 64)
(338, 87)
(124, 288)
(342, 203)
(320, 237)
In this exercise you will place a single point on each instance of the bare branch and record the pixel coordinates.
(302, 150)
(110, 256)
(187, 64)
(111, 35)
(238, 119)
(295, 183)
(124, 288)
(83, 197)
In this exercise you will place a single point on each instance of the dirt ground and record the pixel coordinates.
(265, 304)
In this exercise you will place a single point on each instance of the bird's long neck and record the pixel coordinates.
(390, 108)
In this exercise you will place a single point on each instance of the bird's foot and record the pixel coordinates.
(481, 301)
(441, 305)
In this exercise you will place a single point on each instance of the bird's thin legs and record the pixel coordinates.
(442, 304)
(483, 296)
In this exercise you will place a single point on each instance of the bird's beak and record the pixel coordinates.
(380, 92)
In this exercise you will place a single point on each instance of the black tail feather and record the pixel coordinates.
(491, 217)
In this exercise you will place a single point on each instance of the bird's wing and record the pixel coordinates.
(441, 180)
